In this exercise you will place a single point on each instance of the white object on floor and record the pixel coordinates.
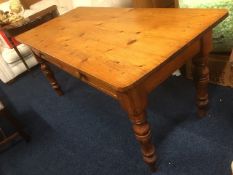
(177, 73)
(11, 65)
(10, 56)
(10, 71)
(232, 167)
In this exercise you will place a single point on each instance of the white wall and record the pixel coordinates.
(66, 4)
(102, 3)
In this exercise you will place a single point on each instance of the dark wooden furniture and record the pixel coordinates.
(4, 113)
(32, 21)
(127, 53)
(155, 3)
(27, 3)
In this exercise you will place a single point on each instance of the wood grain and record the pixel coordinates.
(83, 38)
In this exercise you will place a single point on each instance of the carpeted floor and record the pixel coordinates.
(86, 132)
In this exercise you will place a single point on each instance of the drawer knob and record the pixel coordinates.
(80, 76)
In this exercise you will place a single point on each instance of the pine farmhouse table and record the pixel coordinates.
(126, 53)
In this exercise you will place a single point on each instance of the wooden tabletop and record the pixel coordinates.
(120, 46)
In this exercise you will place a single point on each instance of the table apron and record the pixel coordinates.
(148, 83)
(165, 70)
(92, 81)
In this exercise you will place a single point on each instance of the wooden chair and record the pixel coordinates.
(19, 132)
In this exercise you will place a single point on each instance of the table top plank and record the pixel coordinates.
(120, 46)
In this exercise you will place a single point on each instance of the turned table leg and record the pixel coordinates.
(201, 75)
(135, 104)
(49, 75)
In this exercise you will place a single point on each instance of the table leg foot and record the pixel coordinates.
(201, 79)
(135, 105)
(153, 168)
(49, 75)
(142, 132)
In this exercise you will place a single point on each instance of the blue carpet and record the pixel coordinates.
(86, 132)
